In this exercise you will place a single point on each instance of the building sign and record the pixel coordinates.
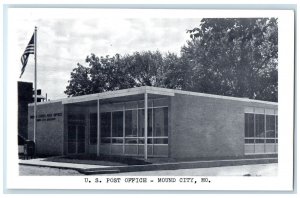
(46, 117)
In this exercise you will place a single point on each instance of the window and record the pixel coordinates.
(117, 127)
(141, 118)
(270, 128)
(249, 128)
(160, 125)
(141, 122)
(150, 122)
(160, 122)
(260, 131)
(127, 126)
(131, 126)
(259, 125)
(105, 127)
(76, 119)
(93, 128)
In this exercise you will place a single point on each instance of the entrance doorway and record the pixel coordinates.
(76, 139)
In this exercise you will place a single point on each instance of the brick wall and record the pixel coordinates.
(49, 135)
(207, 127)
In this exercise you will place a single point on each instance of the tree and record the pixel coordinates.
(108, 73)
(233, 57)
(236, 57)
(121, 72)
(146, 68)
(80, 82)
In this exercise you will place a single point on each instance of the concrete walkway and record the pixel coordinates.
(243, 170)
(74, 166)
(101, 169)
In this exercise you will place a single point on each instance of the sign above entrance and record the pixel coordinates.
(46, 117)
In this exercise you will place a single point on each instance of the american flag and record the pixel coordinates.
(29, 50)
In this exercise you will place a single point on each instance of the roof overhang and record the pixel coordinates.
(137, 93)
(120, 93)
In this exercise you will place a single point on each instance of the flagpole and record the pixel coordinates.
(35, 84)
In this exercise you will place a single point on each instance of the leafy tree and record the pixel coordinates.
(108, 73)
(176, 72)
(121, 72)
(80, 82)
(236, 57)
(146, 68)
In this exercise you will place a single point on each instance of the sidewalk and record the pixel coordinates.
(74, 166)
(89, 169)
(243, 170)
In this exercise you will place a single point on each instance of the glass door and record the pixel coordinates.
(76, 133)
(76, 139)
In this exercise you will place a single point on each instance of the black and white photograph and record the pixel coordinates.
(148, 97)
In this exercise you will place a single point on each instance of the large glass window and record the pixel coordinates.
(270, 128)
(141, 123)
(105, 127)
(160, 122)
(117, 127)
(141, 119)
(260, 131)
(157, 128)
(249, 128)
(150, 133)
(160, 125)
(127, 127)
(131, 126)
(93, 128)
(259, 128)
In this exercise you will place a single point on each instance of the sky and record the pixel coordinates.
(67, 36)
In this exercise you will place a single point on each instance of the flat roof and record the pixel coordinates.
(149, 90)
